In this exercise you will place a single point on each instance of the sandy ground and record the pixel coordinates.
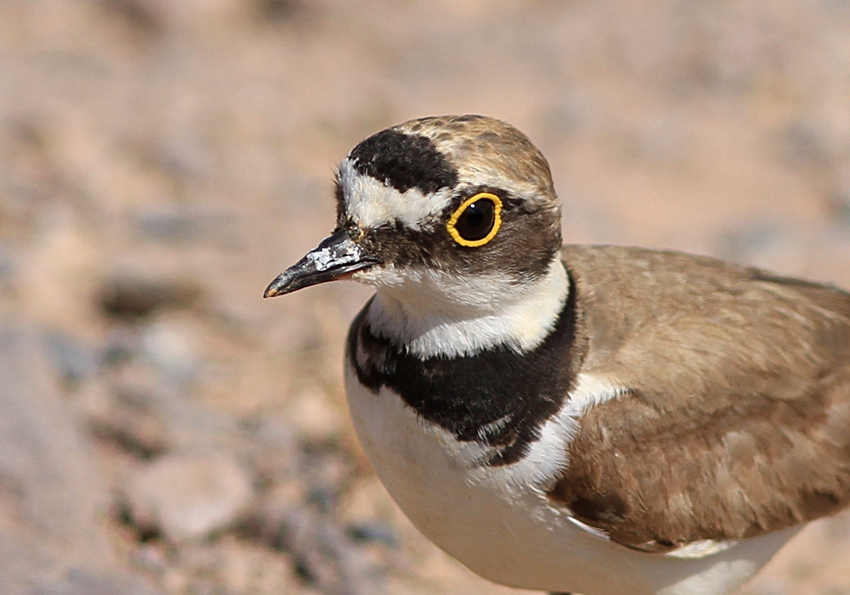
(162, 160)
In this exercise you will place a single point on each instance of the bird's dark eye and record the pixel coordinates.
(477, 220)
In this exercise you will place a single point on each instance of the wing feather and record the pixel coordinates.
(735, 420)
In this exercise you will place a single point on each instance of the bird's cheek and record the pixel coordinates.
(380, 276)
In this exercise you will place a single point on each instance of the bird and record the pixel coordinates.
(594, 419)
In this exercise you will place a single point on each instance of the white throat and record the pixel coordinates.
(438, 314)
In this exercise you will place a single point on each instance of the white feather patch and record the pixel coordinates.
(435, 313)
(591, 390)
(371, 203)
(700, 549)
(549, 456)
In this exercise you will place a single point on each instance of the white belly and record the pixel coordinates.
(499, 523)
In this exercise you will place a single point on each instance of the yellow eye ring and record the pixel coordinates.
(455, 219)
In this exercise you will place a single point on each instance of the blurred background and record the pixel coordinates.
(163, 430)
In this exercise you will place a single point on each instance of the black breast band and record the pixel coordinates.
(497, 397)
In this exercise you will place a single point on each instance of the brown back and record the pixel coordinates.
(737, 420)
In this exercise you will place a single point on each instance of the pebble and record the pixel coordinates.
(660, 141)
(237, 567)
(186, 226)
(571, 115)
(280, 10)
(817, 136)
(375, 532)
(839, 201)
(331, 560)
(189, 497)
(313, 416)
(184, 17)
(169, 345)
(766, 245)
(85, 582)
(126, 418)
(167, 226)
(74, 361)
(52, 538)
(7, 265)
(48, 481)
(131, 296)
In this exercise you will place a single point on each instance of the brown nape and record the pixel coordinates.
(737, 422)
(481, 147)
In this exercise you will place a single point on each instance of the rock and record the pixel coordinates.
(167, 226)
(131, 296)
(157, 16)
(74, 361)
(188, 497)
(662, 141)
(369, 513)
(169, 345)
(280, 10)
(136, 14)
(7, 265)
(121, 345)
(819, 134)
(329, 558)
(187, 425)
(766, 245)
(570, 115)
(235, 566)
(375, 532)
(127, 419)
(47, 481)
(186, 226)
(272, 450)
(839, 200)
(313, 416)
(84, 582)
(52, 499)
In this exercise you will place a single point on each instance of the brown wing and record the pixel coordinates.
(738, 418)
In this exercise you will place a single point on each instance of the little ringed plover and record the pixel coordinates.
(595, 419)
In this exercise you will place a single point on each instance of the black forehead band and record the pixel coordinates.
(404, 161)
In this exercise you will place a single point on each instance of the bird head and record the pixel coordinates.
(455, 209)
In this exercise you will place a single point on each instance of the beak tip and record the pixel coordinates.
(336, 257)
(275, 288)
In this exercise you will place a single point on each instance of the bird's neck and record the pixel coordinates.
(441, 315)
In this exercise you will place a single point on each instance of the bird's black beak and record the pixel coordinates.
(335, 258)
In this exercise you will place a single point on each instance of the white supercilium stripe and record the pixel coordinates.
(371, 203)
